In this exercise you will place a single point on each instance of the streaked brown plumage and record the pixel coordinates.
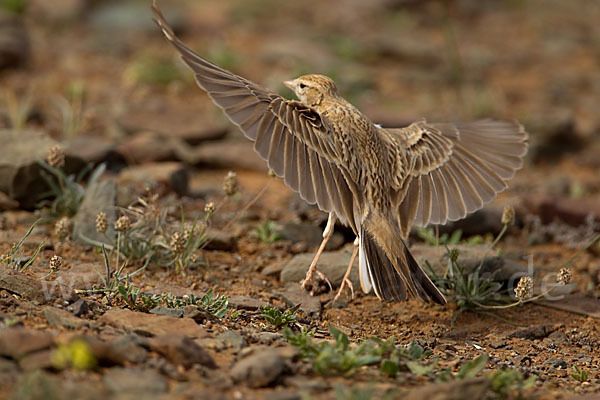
(378, 181)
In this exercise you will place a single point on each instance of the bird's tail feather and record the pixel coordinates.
(388, 283)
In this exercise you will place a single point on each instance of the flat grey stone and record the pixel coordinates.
(260, 369)
(332, 264)
(134, 380)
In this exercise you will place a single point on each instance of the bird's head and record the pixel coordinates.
(312, 89)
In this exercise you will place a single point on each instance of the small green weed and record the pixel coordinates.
(277, 318)
(579, 374)
(153, 70)
(338, 358)
(15, 6)
(16, 258)
(428, 235)
(467, 371)
(66, 192)
(267, 232)
(509, 383)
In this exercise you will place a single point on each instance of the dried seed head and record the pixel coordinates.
(123, 224)
(564, 276)
(101, 222)
(453, 255)
(508, 215)
(177, 243)
(209, 208)
(231, 184)
(524, 289)
(56, 156)
(56, 263)
(63, 228)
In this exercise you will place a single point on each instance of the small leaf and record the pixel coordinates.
(419, 369)
(471, 369)
(389, 368)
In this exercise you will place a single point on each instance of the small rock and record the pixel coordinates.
(58, 318)
(9, 371)
(152, 325)
(273, 269)
(168, 176)
(283, 395)
(532, 332)
(38, 360)
(305, 233)
(171, 312)
(19, 169)
(79, 308)
(486, 220)
(233, 339)
(135, 380)
(469, 258)
(123, 350)
(147, 147)
(96, 150)
(246, 303)
(233, 154)
(474, 388)
(556, 363)
(82, 276)
(332, 264)
(268, 337)
(259, 370)
(14, 41)
(18, 342)
(181, 350)
(220, 240)
(310, 305)
(168, 121)
(100, 197)
(6, 203)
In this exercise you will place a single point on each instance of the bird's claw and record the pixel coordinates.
(310, 279)
(346, 283)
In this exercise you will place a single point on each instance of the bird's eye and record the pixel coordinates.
(302, 86)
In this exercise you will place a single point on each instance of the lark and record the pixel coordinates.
(378, 181)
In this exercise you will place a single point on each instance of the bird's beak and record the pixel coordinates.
(290, 84)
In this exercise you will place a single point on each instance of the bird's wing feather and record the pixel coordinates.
(291, 137)
(448, 170)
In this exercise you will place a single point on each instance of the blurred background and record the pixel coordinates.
(99, 77)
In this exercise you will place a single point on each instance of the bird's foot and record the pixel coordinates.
(346, 283)
(312, 281)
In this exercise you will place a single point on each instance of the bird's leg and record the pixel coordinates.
(312, 270)
(346, 282)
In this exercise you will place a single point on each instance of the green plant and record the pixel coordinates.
(403, 358)
(338, 358)
(142, 236)
(15, 6)
(346, 393)
(429, 236)
(467, 371)
(71, 108)
(15, 258)
(468, 289)
(152, 70)
(579, 374)
(267, 232)
(18, 108)
(65, 192)
(505, 383)
(277, 318)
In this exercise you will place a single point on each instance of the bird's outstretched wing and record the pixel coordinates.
(288, 135)
(451, 169)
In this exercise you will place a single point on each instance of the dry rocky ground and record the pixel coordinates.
(181, 311)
